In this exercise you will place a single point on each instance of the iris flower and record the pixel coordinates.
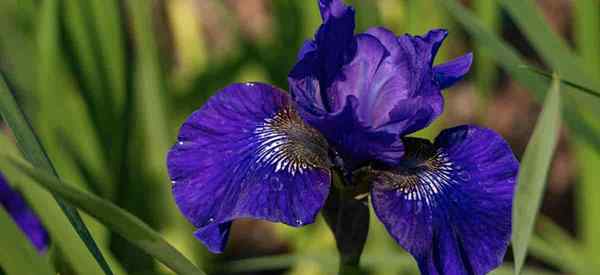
(255, 151)
(14, 204)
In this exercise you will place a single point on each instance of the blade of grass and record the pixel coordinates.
(33, 151)
(115, 218)
(554, 241)
(533, 172)
(547, 43)
(508, 58)
(151, 119)
(547, 75)
(18, 256)
(401, 262)
(67, 247)
(587, 40)
(485, 67)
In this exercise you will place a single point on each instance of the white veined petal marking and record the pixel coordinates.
(288, 144)
(426, 173)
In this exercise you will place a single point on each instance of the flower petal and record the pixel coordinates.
(449, 203)
(357, 144)
(452, 71)
(247, 153)
(335, 8)
(320, 60)
(23, 216)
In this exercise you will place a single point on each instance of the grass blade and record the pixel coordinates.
(33, 151)
(547, 43)
(117, 219)
(581, 87)
(21, 258)
(533, 172)
(587, 40)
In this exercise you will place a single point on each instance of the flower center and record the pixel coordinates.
(424, 172)
(289, 144)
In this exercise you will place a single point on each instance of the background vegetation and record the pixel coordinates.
(106, 83)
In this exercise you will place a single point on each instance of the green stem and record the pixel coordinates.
(350, 269)
(348, 219)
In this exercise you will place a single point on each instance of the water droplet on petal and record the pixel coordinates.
(299, 222)
(211, 220)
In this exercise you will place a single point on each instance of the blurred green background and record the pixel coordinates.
(106, 83)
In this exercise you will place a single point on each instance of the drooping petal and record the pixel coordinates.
(23, 216)
(449, 203)
(247, 154)
(448, 73)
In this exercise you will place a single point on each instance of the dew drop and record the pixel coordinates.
(180, 143)
(211, 220)
(279, 187)
(173, 182)
(299, 222)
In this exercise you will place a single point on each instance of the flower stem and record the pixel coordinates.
(348, 219)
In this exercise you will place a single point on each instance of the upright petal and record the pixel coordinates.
(247, 154)
(448, 73)
(449, 203)
(319, 60)
(23, 216)
(356, 143)
(334, 39)
(335, 8)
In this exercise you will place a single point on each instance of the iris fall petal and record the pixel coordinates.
(449, 203)
(247, 154)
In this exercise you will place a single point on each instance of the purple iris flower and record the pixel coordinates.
(23, 216)
(373, 86)
(255, 151)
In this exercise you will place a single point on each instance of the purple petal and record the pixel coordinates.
(247, 154)
(452, 71)
(307, 47)
(23, 216)
(357, 144)
(321, 59)
(335, 8)
(450, 202)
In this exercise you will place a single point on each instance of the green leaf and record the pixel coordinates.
(587, 39)
(533, 172)
(547, 43)
(33, 151)
(117, 219)
(581, 87)
(508, 58)
(22, 258)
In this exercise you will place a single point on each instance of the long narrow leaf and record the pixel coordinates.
(581, 87)
(508, 58)
(587, 39)
(533, 173)
(547, 43)
(117, 219)
(33, 151)
(21, 258)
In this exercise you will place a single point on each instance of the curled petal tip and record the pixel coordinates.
(452, 71)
